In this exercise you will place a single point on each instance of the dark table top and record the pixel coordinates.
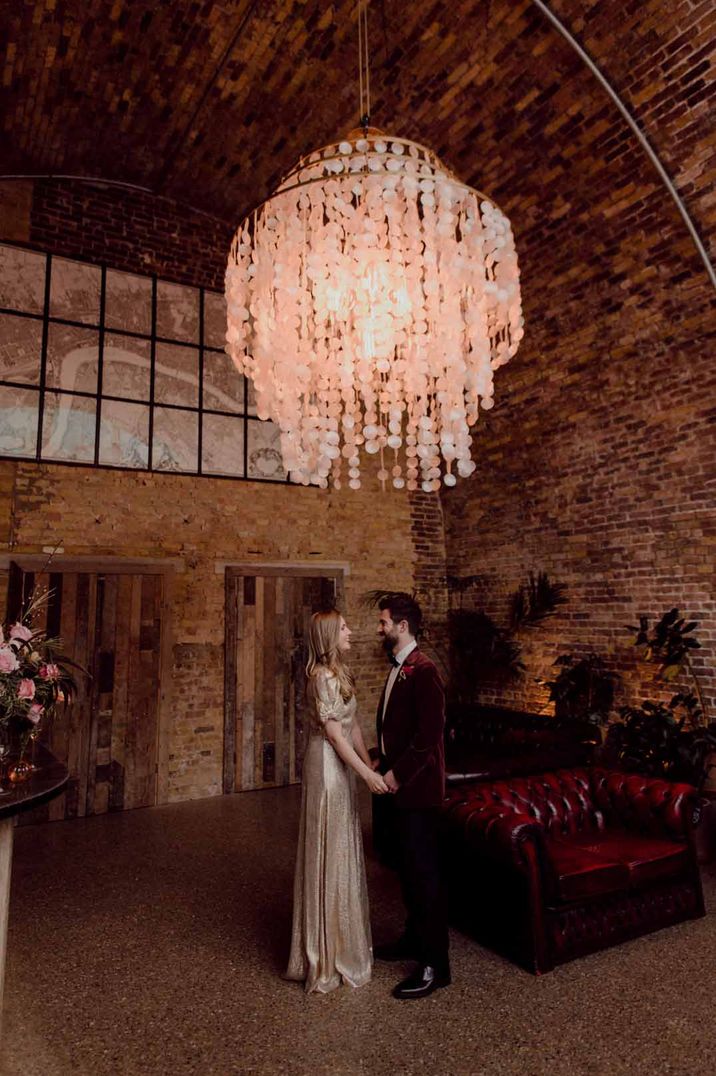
(47, 781)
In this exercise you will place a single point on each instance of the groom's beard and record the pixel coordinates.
(388, 644)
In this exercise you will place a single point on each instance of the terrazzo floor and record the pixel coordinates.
(153, 942)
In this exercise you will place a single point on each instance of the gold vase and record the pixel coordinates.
(20, 771)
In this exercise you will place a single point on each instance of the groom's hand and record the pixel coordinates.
(391, 781)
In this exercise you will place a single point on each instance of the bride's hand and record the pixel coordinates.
(376, 783)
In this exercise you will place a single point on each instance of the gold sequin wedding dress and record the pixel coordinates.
(330, 941)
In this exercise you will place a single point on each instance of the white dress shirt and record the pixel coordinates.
(392, 677)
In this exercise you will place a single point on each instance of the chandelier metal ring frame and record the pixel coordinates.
(371, 317)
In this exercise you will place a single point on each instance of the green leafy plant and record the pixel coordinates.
(534, 601)
(480, 649)
(669, 644)
(582, 690)
(664, 740)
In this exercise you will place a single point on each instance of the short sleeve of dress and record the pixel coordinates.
(329, 702)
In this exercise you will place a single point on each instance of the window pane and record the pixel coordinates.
(176, 440)
(264, 451)
(68, 427)
(124, 434)
(126, 367)
(222, 445)
(223, 384)
(22, 279)
(250, 398)
(177, 312)
(72, 358)
(74, 291)
(176, 375)
(18, 421)
(128, 302)
(20, 349)
(214, 319)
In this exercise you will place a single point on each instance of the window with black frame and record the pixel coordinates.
(115, 369)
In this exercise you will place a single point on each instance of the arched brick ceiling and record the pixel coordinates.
(209, 102)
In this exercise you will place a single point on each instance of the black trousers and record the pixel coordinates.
(418, 862)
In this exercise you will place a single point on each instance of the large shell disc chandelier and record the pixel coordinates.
(370, 300)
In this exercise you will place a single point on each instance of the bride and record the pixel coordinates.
(331, 941)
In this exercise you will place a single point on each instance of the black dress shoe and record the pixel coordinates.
(421, 983)
(397, 950)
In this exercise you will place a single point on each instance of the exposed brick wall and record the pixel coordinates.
(598, 462)
(205, 521)
(129, 230)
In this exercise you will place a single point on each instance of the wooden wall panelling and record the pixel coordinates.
(268, 611)
(143, 695)
(247, 682)
(283, 677)
(60, 730)
(231, 774)
(113, 738)
(258, 682)
(94, 635)
(103, 693)
(164, 714)
(120, 694)
(269, 684)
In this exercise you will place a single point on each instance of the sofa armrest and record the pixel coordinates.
(663, 808)
(504, 834)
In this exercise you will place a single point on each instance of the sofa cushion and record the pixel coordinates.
(581, 873)
(646, 858)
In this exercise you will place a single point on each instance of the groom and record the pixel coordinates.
(411, 722)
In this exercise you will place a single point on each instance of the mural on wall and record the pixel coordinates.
(120, 370)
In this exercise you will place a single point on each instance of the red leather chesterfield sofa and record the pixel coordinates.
(550, 867)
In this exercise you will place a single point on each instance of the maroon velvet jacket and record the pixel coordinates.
(413, 733)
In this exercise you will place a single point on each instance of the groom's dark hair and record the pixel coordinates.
(402, 607)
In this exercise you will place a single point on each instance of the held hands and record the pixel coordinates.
(376, 783)
(392, 781)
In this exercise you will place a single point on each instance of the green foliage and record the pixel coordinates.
(669, 643)
(661, 740)
(536, 600)
(583, 689)
(481, 650)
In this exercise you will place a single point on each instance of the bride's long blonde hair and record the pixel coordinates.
(323, 636)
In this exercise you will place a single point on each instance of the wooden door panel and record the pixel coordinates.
(111, 624)
(267, 618)
(144, 712)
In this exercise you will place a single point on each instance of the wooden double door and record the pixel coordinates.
(111, 623)
(267, 615)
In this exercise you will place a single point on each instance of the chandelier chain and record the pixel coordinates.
(363, 63)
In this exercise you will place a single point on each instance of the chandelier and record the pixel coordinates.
(370, 299)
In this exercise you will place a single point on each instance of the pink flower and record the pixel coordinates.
(26, 689)
(50, 672)
(35, 712)
(20, 631)
(8, 659)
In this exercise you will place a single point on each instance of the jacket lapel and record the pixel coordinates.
(398, 685)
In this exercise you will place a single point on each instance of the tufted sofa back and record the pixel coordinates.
(561, 801)
(642, 803)
(572, 801)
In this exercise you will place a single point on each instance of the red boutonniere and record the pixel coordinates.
(405, 671)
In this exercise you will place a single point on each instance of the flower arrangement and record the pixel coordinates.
(34, 676)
